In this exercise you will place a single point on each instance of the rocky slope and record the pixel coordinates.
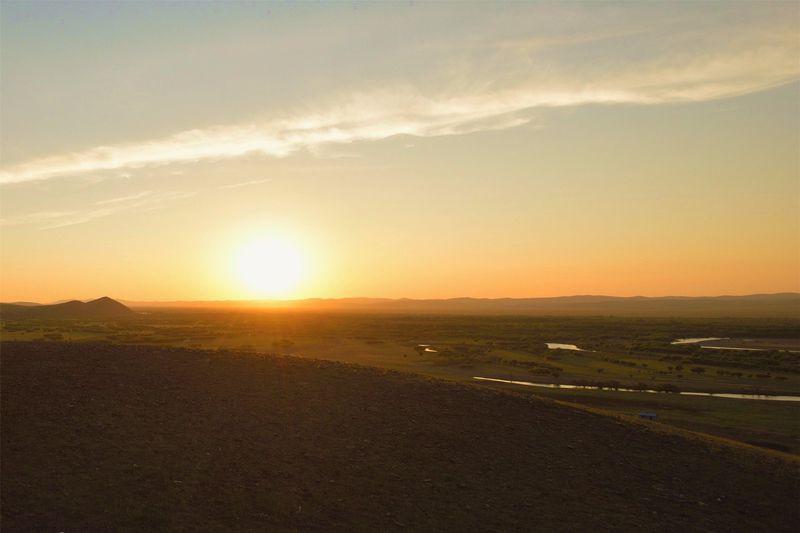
(100, 437)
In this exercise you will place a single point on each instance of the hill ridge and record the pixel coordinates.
(98, 308)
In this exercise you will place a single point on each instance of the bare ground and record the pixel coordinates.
(98, 437)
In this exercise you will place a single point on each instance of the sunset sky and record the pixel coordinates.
(398, 149)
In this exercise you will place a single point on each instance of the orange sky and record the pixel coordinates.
(422, 151)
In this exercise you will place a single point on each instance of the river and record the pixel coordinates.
(709, 394)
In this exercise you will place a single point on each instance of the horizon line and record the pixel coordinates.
(400, 299)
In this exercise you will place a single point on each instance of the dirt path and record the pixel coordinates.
(101, 437)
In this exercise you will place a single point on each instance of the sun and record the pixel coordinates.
(270, 266)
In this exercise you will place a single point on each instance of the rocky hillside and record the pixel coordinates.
(100, 437)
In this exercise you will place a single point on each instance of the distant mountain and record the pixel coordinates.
(754, 305)
(100, 308)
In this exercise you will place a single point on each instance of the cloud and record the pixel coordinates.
(124, 199)
(505, 91)
(243, 184)
(34, 218)
(143, 201)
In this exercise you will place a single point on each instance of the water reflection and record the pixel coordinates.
(559, 346)
(710, 394)
(693, 340)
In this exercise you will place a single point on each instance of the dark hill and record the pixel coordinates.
(99, 308)
(127, 438)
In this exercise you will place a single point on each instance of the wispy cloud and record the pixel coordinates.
(376, 115)
(124, 199)
(143, 201)
(36, 218)
(243, 184)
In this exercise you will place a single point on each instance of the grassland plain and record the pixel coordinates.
(774, 425)
(628, 351)
(105, 437)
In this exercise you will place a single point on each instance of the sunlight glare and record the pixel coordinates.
(270, 267)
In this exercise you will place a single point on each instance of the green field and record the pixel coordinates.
(620, 352)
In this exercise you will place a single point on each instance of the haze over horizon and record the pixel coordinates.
(253, 151)
(399, 299)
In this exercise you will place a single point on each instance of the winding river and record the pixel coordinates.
(709, 394)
